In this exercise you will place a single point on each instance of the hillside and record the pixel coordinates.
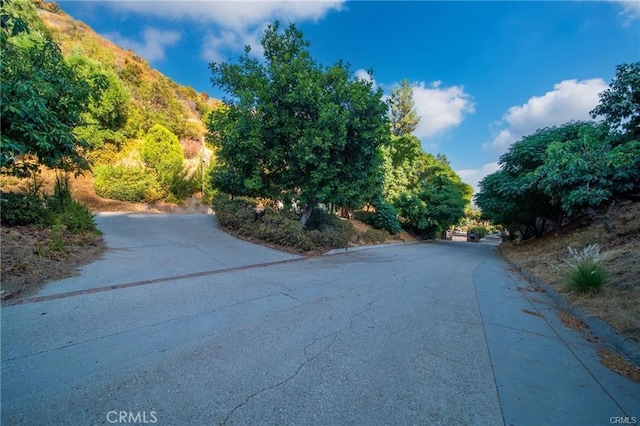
(619, 235)
(131, 99)
(177, 105)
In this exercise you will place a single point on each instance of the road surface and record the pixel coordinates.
(181, 324)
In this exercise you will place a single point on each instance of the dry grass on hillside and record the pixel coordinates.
(619, 303)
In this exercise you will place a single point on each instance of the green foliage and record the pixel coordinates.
(183, 185)
(295, 131)
(281, 227)
(620, 103)
(76, 218)
(385, 217)
(512, 194)
(162, 153)
(428, 194)
(108, 107)
(404, 118)
(479, 231)
(373, 236)
(559, 173)
(588, 171)
(42, 96)
(585, 271)
(23, 209)
(126, 184)
(59, 211)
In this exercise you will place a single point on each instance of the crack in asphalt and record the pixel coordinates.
(334, 335)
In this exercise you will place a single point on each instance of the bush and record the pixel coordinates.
(480, 231)
(76, 218)
(162, 152)
(280, 226)
(183, 186)
(126, 184)
(385, 217)
(58, 211)
(373, 236)
(585, 271)
(321, 219)
(23, 209)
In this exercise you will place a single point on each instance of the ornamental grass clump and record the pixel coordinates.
(585, 270)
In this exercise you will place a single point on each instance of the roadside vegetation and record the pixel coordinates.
(303, 136)
(570, 199)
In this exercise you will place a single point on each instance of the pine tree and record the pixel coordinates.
(404, 118)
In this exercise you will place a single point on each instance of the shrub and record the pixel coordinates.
(183, 186)
(162, 152)
(126, 184)
(236, 213)
(385, 217)
(585, 271)
(480, 231)
(23, 209)
(320, 219)
(281, 227)
(76, 218)
(373, 236)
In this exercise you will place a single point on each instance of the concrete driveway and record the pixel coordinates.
(181, 324)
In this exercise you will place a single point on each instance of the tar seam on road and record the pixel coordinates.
(146, 282)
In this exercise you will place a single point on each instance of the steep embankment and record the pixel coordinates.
(619, 235)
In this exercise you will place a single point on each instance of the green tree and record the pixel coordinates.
(162, 153)
(620, 103)
(42, 97)
(587, 171)
(404, 118)
(295, 131)
(428, 194)
(545, 176)
(108, 107)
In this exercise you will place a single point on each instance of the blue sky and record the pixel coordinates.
(484, 73)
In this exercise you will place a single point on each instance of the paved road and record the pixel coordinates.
(181, 324)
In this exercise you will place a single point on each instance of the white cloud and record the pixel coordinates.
(364, 75)
(215, 45)
(153, 45)
(474, 176)
(630, 10)
(237, 23)
(439, 108)
(569, 100)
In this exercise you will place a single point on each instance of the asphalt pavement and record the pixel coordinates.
(182, 324)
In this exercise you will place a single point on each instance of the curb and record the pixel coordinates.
(629, 348)
(359, 248)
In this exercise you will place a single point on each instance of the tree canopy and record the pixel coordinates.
(42, 96)
(295, 131)
(404, 118)
(620, 103)
(558, 173)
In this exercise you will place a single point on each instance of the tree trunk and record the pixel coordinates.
(306, 214)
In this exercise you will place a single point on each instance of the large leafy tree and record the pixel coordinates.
(517, 182)
(42, 97)
(294, 131)
(404, 118)
(428, 194)
(620, 103)
(436, 203)
(588, 170)
(559, 172)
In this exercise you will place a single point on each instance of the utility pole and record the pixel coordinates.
(202, 167)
